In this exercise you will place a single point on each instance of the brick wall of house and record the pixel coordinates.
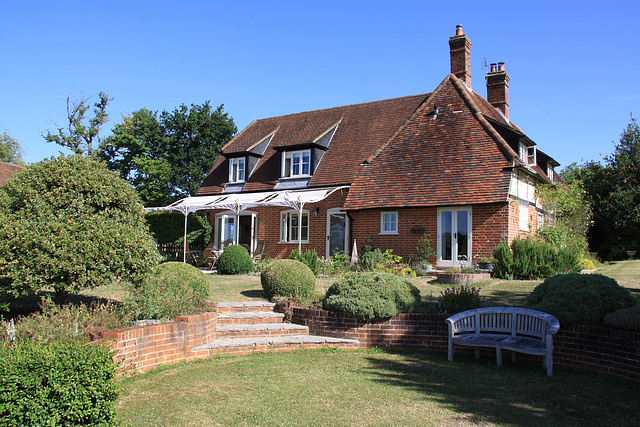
(598, 349)
(488, 227)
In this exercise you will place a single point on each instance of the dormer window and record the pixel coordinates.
(237, 169)
(296, 163)
(528, 154)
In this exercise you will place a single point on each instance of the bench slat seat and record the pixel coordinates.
(510, 328)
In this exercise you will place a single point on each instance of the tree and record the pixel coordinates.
(80, 137)
(166, 156)
(10, 151)
(68, 223)
(572, 215)
(613, 191)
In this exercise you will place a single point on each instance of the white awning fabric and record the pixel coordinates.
(238, 202)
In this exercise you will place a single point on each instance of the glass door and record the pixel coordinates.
(336, 232)
(454, 237)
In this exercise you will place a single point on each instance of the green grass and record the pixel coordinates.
(372, 388)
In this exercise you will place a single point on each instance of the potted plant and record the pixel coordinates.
(486, 264)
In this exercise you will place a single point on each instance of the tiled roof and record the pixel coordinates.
(7, 171)
(362, 129)
(437, 160)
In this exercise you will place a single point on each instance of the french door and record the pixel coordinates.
(454, 237)
(336, 232)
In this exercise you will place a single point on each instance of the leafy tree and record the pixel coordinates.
(81, 137)
(10, 151)
(572, 215)
(166, 156)
(68, 223)
(613, 191)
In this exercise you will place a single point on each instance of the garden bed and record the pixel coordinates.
(461, 278)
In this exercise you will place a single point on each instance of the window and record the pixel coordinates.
(389, 223)
(528, 154)
(524, 216)
(550, 172)
(290, 227)
(296, 163)
(237, 169)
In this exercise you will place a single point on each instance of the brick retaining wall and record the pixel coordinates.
(599, 349)
(141, 348)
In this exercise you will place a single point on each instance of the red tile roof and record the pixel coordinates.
(362, 128)
(448, 159)
(7, 171)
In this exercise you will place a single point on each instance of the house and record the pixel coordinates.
(449, 163)
(7, 171)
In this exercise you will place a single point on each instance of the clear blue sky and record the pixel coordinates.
(574, 66)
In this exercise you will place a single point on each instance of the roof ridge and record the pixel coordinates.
(504, 146)
(342, 107)
(415, 113)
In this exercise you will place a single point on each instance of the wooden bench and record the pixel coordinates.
(505, 328)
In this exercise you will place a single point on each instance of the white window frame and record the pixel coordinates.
(523, 216)
(550, 172)
(288, 169)
(393, 225)
(289, 226)
(237, 161)
(528, 154)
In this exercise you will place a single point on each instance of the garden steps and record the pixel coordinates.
(253, 326)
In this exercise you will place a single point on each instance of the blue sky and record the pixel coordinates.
(573, 65)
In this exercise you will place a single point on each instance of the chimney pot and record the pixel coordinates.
(493, 68)
(500, 66)
(459, 31)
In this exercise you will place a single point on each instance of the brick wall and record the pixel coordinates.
(141, 348)
(594, 348)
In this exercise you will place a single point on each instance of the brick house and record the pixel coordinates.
(447, 163)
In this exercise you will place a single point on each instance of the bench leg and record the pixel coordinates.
(499, 356)
(450, 350)
(549, 361)
(477, 352)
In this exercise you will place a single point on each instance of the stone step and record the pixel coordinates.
(260, 329)
(224, 307)
(249, 317)
(262, 344)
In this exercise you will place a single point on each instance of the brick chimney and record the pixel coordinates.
(460, 49)
(498, 88)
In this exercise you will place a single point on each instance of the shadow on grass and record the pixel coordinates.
(254, 293)
(25, 305)
(519, 394)
(508, 298)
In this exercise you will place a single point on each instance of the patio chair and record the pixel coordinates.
(261, 250)
(212, 257)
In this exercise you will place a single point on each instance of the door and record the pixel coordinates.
(225, 231)
(336, 232)
(454, 237)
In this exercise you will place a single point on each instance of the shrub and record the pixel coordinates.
(372, 295)
(57, 383)
(587, 264)
(234, 260)
(174, 288)
(70, 224)
(455, 300)
(309, 258)
(580, 298)
(533, 258)
(625, 318)
(337, 265)
(288, 278)
(67, 323)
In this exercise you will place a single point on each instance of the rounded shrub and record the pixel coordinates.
(580, 298)
(174, 288)
(372, 295)
(234, 260)
(288, 278)
(626, 318)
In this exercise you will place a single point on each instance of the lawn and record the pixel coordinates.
(372, 388)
